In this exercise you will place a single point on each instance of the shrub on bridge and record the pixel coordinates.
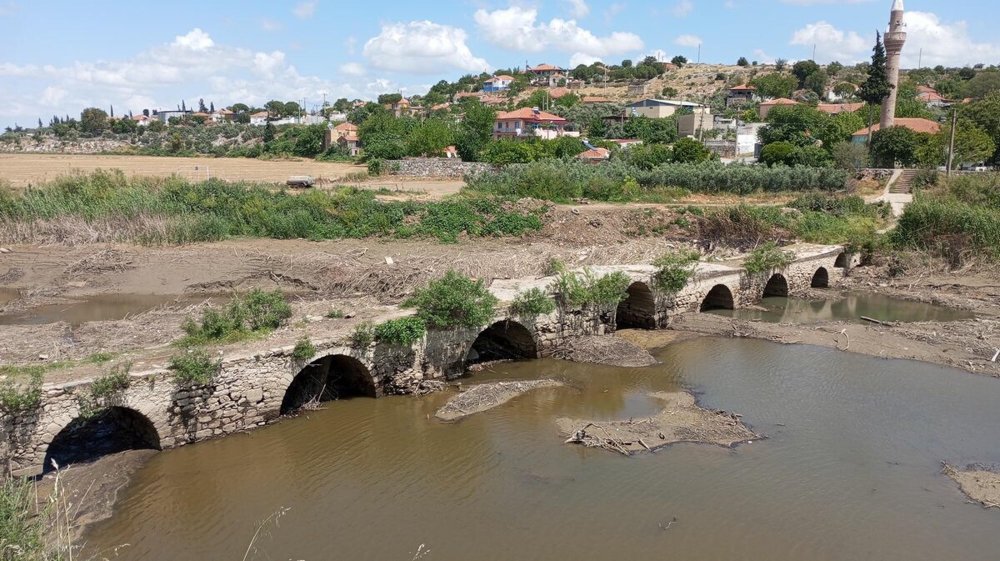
(105, 391)
(401, 331)
(258, 311)
(194, 368)
(303, 350)
(674, 270)
(579, 290)
(363, 335)
(532, 303)
(17, 398)
(453, 301)
(767, 257)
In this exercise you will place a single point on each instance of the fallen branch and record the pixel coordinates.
(878, 321)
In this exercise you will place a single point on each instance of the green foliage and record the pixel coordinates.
(566, 181)
(453, 301)
(850, 156)
(23, 532)
(985, 113)
(766, 258)
(961, 217)
(303, 350)
(532, 303)
(93, 121)
(803, 69)
(775, 85)
(674, 270)
(194, 367)
(16, 399)
(216, 210)
(258, 311)
(430, 138)
(363, 335)
(876, 87)
(580, 290)
(105, 391)
(897, 145)
(690, 151)
(403, 331)
(475, 130)
(335, 314)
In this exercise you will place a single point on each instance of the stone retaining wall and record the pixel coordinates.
(435, 167)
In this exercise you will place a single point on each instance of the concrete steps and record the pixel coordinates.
(904, 183)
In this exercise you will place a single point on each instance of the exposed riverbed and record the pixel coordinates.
(850, 469)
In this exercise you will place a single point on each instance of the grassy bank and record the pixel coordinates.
(107, 206)
(559, 181)
(956, 218)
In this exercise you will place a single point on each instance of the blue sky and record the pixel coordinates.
(60, 56)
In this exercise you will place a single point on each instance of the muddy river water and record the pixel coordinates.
(853, 305)
(850, 469)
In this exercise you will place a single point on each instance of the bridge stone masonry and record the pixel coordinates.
(257, 387)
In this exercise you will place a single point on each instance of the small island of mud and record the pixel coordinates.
(610, 351)
(980, 483)
(681, 420)
(483, 397)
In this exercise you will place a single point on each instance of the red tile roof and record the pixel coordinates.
(595, 154)
(528, 114)
(913, 123)
(835, 108)
(743, 88)
(595, 99)
(544, 68)
(556, 93)
(780, 101)
(346, 126)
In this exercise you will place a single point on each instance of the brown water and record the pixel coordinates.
(851, 470)
(851, 307)
(101, 307)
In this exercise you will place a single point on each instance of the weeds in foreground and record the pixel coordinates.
(257, 312)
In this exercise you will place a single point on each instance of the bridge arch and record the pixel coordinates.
(112, 430)
(820, 279)
(504, 340)
(720, 297)
(331, 377)
(842, 261)
(638, 309)
(777, 285)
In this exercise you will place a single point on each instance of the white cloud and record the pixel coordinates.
(580, 58)
(268, 24)
(943, 43)
(831, 43)
(578, 8)
(194, 40)
(682, 8)
(690, 41)
(517, 28)
(305, 10)
(52, 96)
(353, 69)
(422, 47)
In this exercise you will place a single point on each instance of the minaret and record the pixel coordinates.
(895, 37)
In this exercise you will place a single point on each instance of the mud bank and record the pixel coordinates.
(980, 483)
(969, 345)
(681, 420)
(484, 397)
(609, 351)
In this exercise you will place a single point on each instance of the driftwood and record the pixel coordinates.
(877, 321)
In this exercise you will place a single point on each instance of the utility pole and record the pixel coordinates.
(699, 53)
(920, 59)
(814, 52)
(951, 141)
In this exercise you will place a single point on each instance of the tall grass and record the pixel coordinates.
(107, 206)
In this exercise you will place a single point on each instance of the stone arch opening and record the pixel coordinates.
(326, 379)
(638, 310)
(504, 340)
(841, 262)
(777, 285)
(821, 278)
(719, 298)
(110, 431)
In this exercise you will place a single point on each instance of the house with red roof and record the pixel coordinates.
(767, 106)
(740, 95)
(595, 155)
(498, 83)
(546, 74)
(930, 97)
(925, 126)
(838, 108)
(527, 122)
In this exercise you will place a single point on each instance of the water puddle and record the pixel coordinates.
(103, 307)
(778, 309)
(8, 295)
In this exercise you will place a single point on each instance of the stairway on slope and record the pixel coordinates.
(904, 184)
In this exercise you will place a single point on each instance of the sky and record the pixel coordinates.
(57, 57)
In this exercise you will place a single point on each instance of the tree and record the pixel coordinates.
(800, 125)
(973, 145)
(384, 135)
(834, 68)
(802, 69)
(342, 105)
(690, 151)
(475, 130)
(985, 114)
(211, 106)
(201, 106)
(430, 138)
(775, 85)
(780, 64)
(183, 106)
(896, 145)
(93, 121)
(240, 108)
(292, 109)
(817, 82)
(390, 98)
(679, 61)
(743, 61)
(275, 109)
(983, 84)
(268, 133)
(876, 87)
(777, 153)
(851, 156)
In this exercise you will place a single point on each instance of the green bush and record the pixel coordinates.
(401, 331)
(105, 391)
(303, 350)
(454, 301)
(363, 335)
(23, 532)
(194, 368)
(533, 302)
(579, 290)
(335, 314)
(375, 167)
(16, 398)
(674, 270)
(258, 311)
(767, 257)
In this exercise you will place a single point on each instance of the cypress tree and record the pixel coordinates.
(876, 87)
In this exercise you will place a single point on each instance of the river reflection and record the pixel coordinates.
(851, 307)
(850, 470)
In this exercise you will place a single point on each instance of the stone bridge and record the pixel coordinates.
(255, 388)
